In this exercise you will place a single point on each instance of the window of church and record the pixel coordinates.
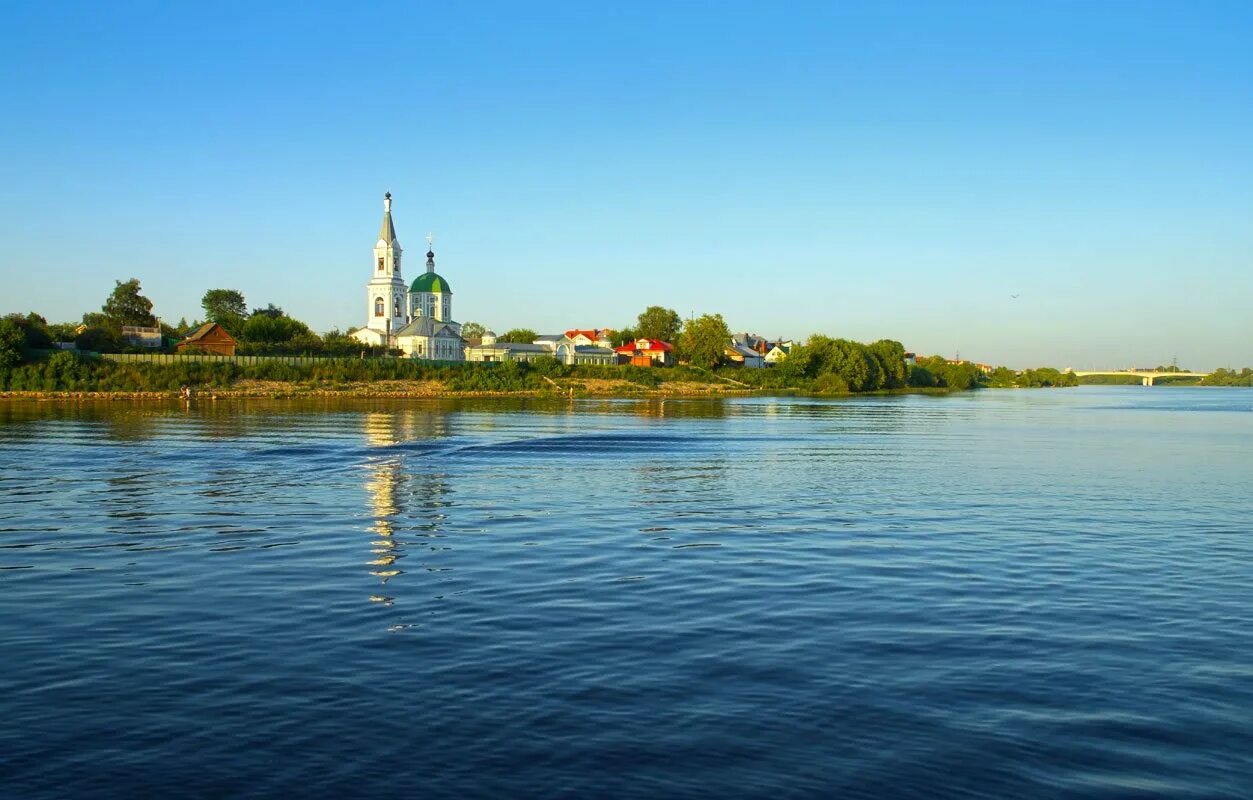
(380, 263)
(378, 306)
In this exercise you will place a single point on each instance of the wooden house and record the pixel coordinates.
(209, 338)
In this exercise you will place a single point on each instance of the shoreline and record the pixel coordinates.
(429, 392)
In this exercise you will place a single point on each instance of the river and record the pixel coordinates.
(1002, 594)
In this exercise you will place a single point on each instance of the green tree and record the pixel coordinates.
(99, 339)
(704, 340)
(625, 336)
(657, 322)
(272, 311)
(127, 305)
(221, 303)
(1003, 378)
(62, 331)
(518, 335)
(12, 343)
(264, 328)
(890, 355)
(34, 330)
(473, 330)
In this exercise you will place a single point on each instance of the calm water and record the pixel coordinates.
(1002, 594)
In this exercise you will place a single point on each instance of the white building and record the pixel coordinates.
(418, 320)
(491, 350)
(563, 348)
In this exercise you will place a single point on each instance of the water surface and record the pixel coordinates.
(996, 594)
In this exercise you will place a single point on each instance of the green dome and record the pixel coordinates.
(430, 282)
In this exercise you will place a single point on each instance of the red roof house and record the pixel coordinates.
(646, 353)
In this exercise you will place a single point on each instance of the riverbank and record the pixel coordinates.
(402, 389)
(430, 389)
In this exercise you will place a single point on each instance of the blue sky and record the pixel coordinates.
(864, 170)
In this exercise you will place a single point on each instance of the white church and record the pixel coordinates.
(418, 320)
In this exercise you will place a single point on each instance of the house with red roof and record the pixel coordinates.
(646, 353)
(597, 337)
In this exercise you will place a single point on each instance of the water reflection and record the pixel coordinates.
(382, 485)
(403, 503)
(383, 479)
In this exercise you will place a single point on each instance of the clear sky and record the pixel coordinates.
(1026, 183)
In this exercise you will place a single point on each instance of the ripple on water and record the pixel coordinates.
(992, 595)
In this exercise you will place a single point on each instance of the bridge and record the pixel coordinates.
(1146, 376)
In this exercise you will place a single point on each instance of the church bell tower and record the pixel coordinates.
(386, 300)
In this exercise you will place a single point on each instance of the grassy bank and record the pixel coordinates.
(65, 375)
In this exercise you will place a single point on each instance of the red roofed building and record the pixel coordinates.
(646, 353)
(592, 336)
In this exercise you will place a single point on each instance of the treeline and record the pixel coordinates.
(841, 366)
(1229, 377)
(1006, 378)
(261, 331)
(66, 371)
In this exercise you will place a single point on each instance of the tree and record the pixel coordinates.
(264, 328)
(624, 336)
(661, 323)
(12, 342)
(518, 335)
(62, 331)
(127, 306)
(272, 311)
(33, 329)
(704, 340)
(219, 303)
(891, 357)
(227, 308)
(473, 330)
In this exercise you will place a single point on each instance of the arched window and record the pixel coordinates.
(396, 307)
(378, 306)
(380, 262)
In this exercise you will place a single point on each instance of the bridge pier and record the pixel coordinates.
(1146, 382)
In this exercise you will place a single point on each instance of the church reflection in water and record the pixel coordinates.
(405, 508)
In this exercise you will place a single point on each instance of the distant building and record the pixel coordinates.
(646, 353)
(563, 348)
(778, 351)
(209, 338)
(751, 341)
(600, 337)
(587, 354)
(430, 339)
(139, 336)
(417, 319)
(742, 356)
(911, 359)
(489, 350)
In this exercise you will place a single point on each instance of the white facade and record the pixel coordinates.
(416, 319)
(385, 294)
(775, 355)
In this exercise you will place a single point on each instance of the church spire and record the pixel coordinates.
(430, 252)
(387, 232)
